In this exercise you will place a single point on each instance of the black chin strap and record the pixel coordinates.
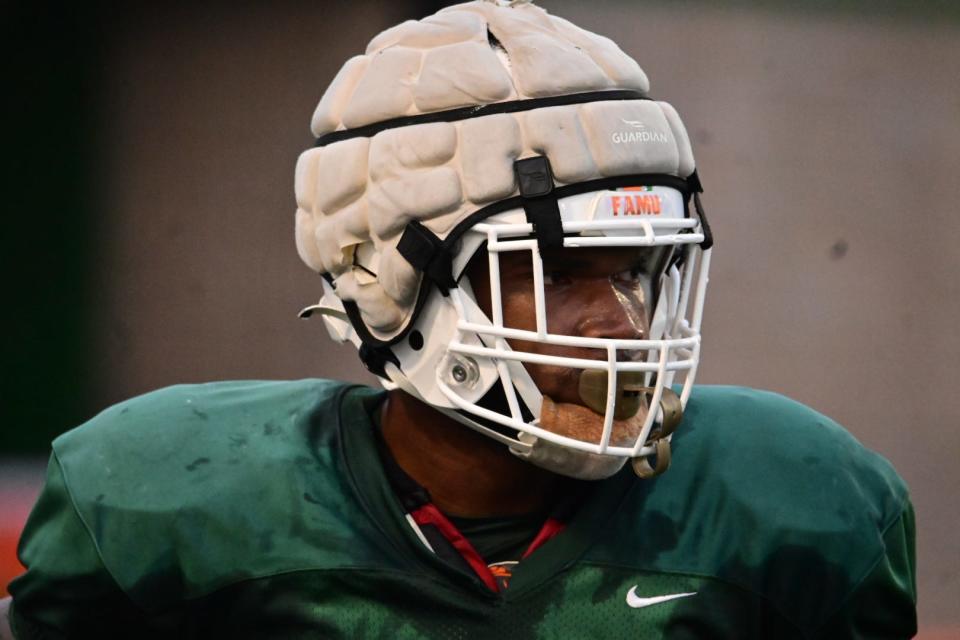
(425, 252)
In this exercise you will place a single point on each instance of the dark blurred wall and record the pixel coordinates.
(150, 119)
(150, 213)
(207, 110)
(52, 56)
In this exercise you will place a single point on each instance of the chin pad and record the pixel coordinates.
(565, 461)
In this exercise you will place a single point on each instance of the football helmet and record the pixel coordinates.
(494, 127)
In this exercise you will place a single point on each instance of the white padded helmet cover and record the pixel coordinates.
(356, 196)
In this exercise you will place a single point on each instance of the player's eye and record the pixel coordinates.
(629, 276)
(556, 278)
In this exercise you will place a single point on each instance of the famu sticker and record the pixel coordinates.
(633, 202)
(636, 201)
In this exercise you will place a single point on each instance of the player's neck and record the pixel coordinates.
(466, 473)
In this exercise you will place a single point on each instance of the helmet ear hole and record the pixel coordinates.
(416, 340)
(477, 273)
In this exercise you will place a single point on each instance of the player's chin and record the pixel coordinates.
(578, 422)
(573, 420)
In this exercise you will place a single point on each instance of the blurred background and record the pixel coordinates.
(148, 213)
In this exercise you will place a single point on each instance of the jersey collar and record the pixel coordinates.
(375, 492)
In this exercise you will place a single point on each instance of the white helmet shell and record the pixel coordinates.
(359, 193)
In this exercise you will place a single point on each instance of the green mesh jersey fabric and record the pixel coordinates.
(260, 510)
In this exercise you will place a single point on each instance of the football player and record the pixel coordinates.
(508, 227)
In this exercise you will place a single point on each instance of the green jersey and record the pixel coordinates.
(263, 510)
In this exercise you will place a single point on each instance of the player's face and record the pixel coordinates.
(597, 293)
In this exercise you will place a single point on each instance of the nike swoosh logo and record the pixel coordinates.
(637, 602)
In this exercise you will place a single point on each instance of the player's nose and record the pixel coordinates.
(608, 312)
